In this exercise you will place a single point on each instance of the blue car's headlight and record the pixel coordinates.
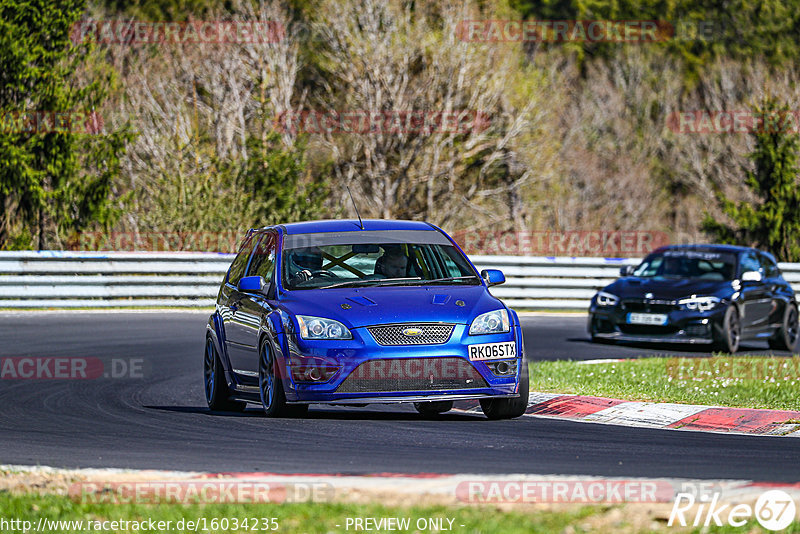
(321, 328)
(493, 322)
(606, 299)
(695, 303)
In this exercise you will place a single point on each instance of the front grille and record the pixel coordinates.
(647, 330)
(648, 306)
(412, 374)
(411, 334)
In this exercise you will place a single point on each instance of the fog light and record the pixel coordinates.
(313, 373)
(696, 330)
(504, 368)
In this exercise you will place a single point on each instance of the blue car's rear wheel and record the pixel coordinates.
(270, 386)
(216, 388)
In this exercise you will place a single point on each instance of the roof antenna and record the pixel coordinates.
(360, 222)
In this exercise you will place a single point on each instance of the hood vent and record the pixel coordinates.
(363, 301)
(441, 299)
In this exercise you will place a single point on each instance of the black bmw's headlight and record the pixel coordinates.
(695, 303)
(606, 299)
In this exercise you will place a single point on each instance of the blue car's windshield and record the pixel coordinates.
(374, 264)
(694, 264)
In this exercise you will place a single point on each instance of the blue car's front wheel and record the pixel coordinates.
(510, 408)
(270, 386)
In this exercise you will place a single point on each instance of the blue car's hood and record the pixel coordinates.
(379, 305)
(666, 288)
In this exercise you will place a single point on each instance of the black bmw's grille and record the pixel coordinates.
(412, 374)
(647, 330)
(411, 334)
(648, 305)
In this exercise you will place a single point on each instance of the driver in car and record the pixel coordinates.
(392, 264)
(673, 267)
(305, 262)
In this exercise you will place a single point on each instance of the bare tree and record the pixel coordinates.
(386, 57)
(193, 107)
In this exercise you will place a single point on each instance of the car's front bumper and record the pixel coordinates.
(362, 371)
(407, 399)
(682, 326)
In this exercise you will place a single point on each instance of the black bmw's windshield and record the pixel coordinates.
(390, 263)
(694, 264)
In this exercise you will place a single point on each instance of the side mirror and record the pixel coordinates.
(627, 270)
(252, 284)
(493, 277)
(751, 276)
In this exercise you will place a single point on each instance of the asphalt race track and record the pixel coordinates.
(161, 421)
(565, 338)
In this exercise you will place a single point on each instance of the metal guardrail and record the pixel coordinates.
(54, 279)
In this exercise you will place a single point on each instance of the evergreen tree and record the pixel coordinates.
(54, 179)
(772, 223)
(273, 176)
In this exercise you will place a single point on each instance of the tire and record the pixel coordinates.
(509, 408)
(270, 387)
(786, 336)
(433, 408)
(729, 335)
(215, 385)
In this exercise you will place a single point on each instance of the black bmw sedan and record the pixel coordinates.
(715, 294)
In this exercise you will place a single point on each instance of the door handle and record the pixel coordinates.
(234, 306)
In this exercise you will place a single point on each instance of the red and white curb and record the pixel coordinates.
(442, 488)
(661, 415)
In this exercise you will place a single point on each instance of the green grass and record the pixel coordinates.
(740, 381)
(296, 517)
(324, 517)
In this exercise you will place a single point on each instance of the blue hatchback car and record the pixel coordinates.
(345, 312)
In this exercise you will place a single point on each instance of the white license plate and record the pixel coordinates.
(493, 351)
(647, 318)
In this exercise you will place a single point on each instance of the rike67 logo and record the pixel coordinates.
(774, 510)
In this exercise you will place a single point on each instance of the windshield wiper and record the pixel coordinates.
(448, 279)
(377, 281)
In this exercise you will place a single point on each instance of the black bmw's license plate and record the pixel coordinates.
(647, 318)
